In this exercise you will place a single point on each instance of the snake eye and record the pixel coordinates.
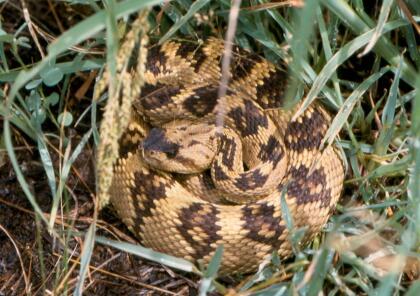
(158, 142)
(171, 153)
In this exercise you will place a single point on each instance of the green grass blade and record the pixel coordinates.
(21, 179)
(195, 7)
(18, 119)
(414, 174)
(383, 16)
(46, 162)
(65, 68)
(384, 47)
(303, 18)
(80, 32)
(323, 262)
(343, 114)
(89, 243)
(388, 115)
(387, 285)
(211, 273)
(174, 262)
(391, 169)
(112, 38)
(65, 171)
(339, 57)
(328, 52)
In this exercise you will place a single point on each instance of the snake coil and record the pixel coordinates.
(237, 200)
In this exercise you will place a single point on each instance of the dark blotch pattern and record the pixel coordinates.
(251, 180)
(204, 217)
(157, 96)
(243, 63)
(228, 148)
(219, 174)
(259, 217)
(270, 94)
(207, 180)
(198, 54)
(271, 151)
(151, 190)
(248, 120)
(306, 134)
(202, 102)
(301, 184)
(156, 60)
(126, 145)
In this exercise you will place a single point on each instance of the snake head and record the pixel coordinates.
(180, 147)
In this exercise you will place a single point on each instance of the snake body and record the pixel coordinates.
(183, 187)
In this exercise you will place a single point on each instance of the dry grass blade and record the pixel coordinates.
(25, 276)
(31, 28)
(227, 56)
(409, 15)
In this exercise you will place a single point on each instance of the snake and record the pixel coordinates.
(197, 169)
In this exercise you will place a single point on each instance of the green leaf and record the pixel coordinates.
(65, 118)
(80, 32)
(52, 99)
(33, 84)
(51, 76)
(33, 101)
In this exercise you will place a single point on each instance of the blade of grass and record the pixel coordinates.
(339, 57)
(383, 16)
(18, 118)
(65, 171)
(174, 262)
(383, 47)
(21, 179)
(414, 173)
(89, 243)
(303, 20)
(211, 273)
(342, 115)
(80, 32)
(328, 53)
(65, 68)
(323, 261)
(195, 7)
(388, 118)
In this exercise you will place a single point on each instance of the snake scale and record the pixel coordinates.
(184, 187)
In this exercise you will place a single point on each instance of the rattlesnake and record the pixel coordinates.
(239, 201)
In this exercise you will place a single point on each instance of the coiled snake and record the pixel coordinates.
(183, 186)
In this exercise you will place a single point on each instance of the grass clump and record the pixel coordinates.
(360, 58)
